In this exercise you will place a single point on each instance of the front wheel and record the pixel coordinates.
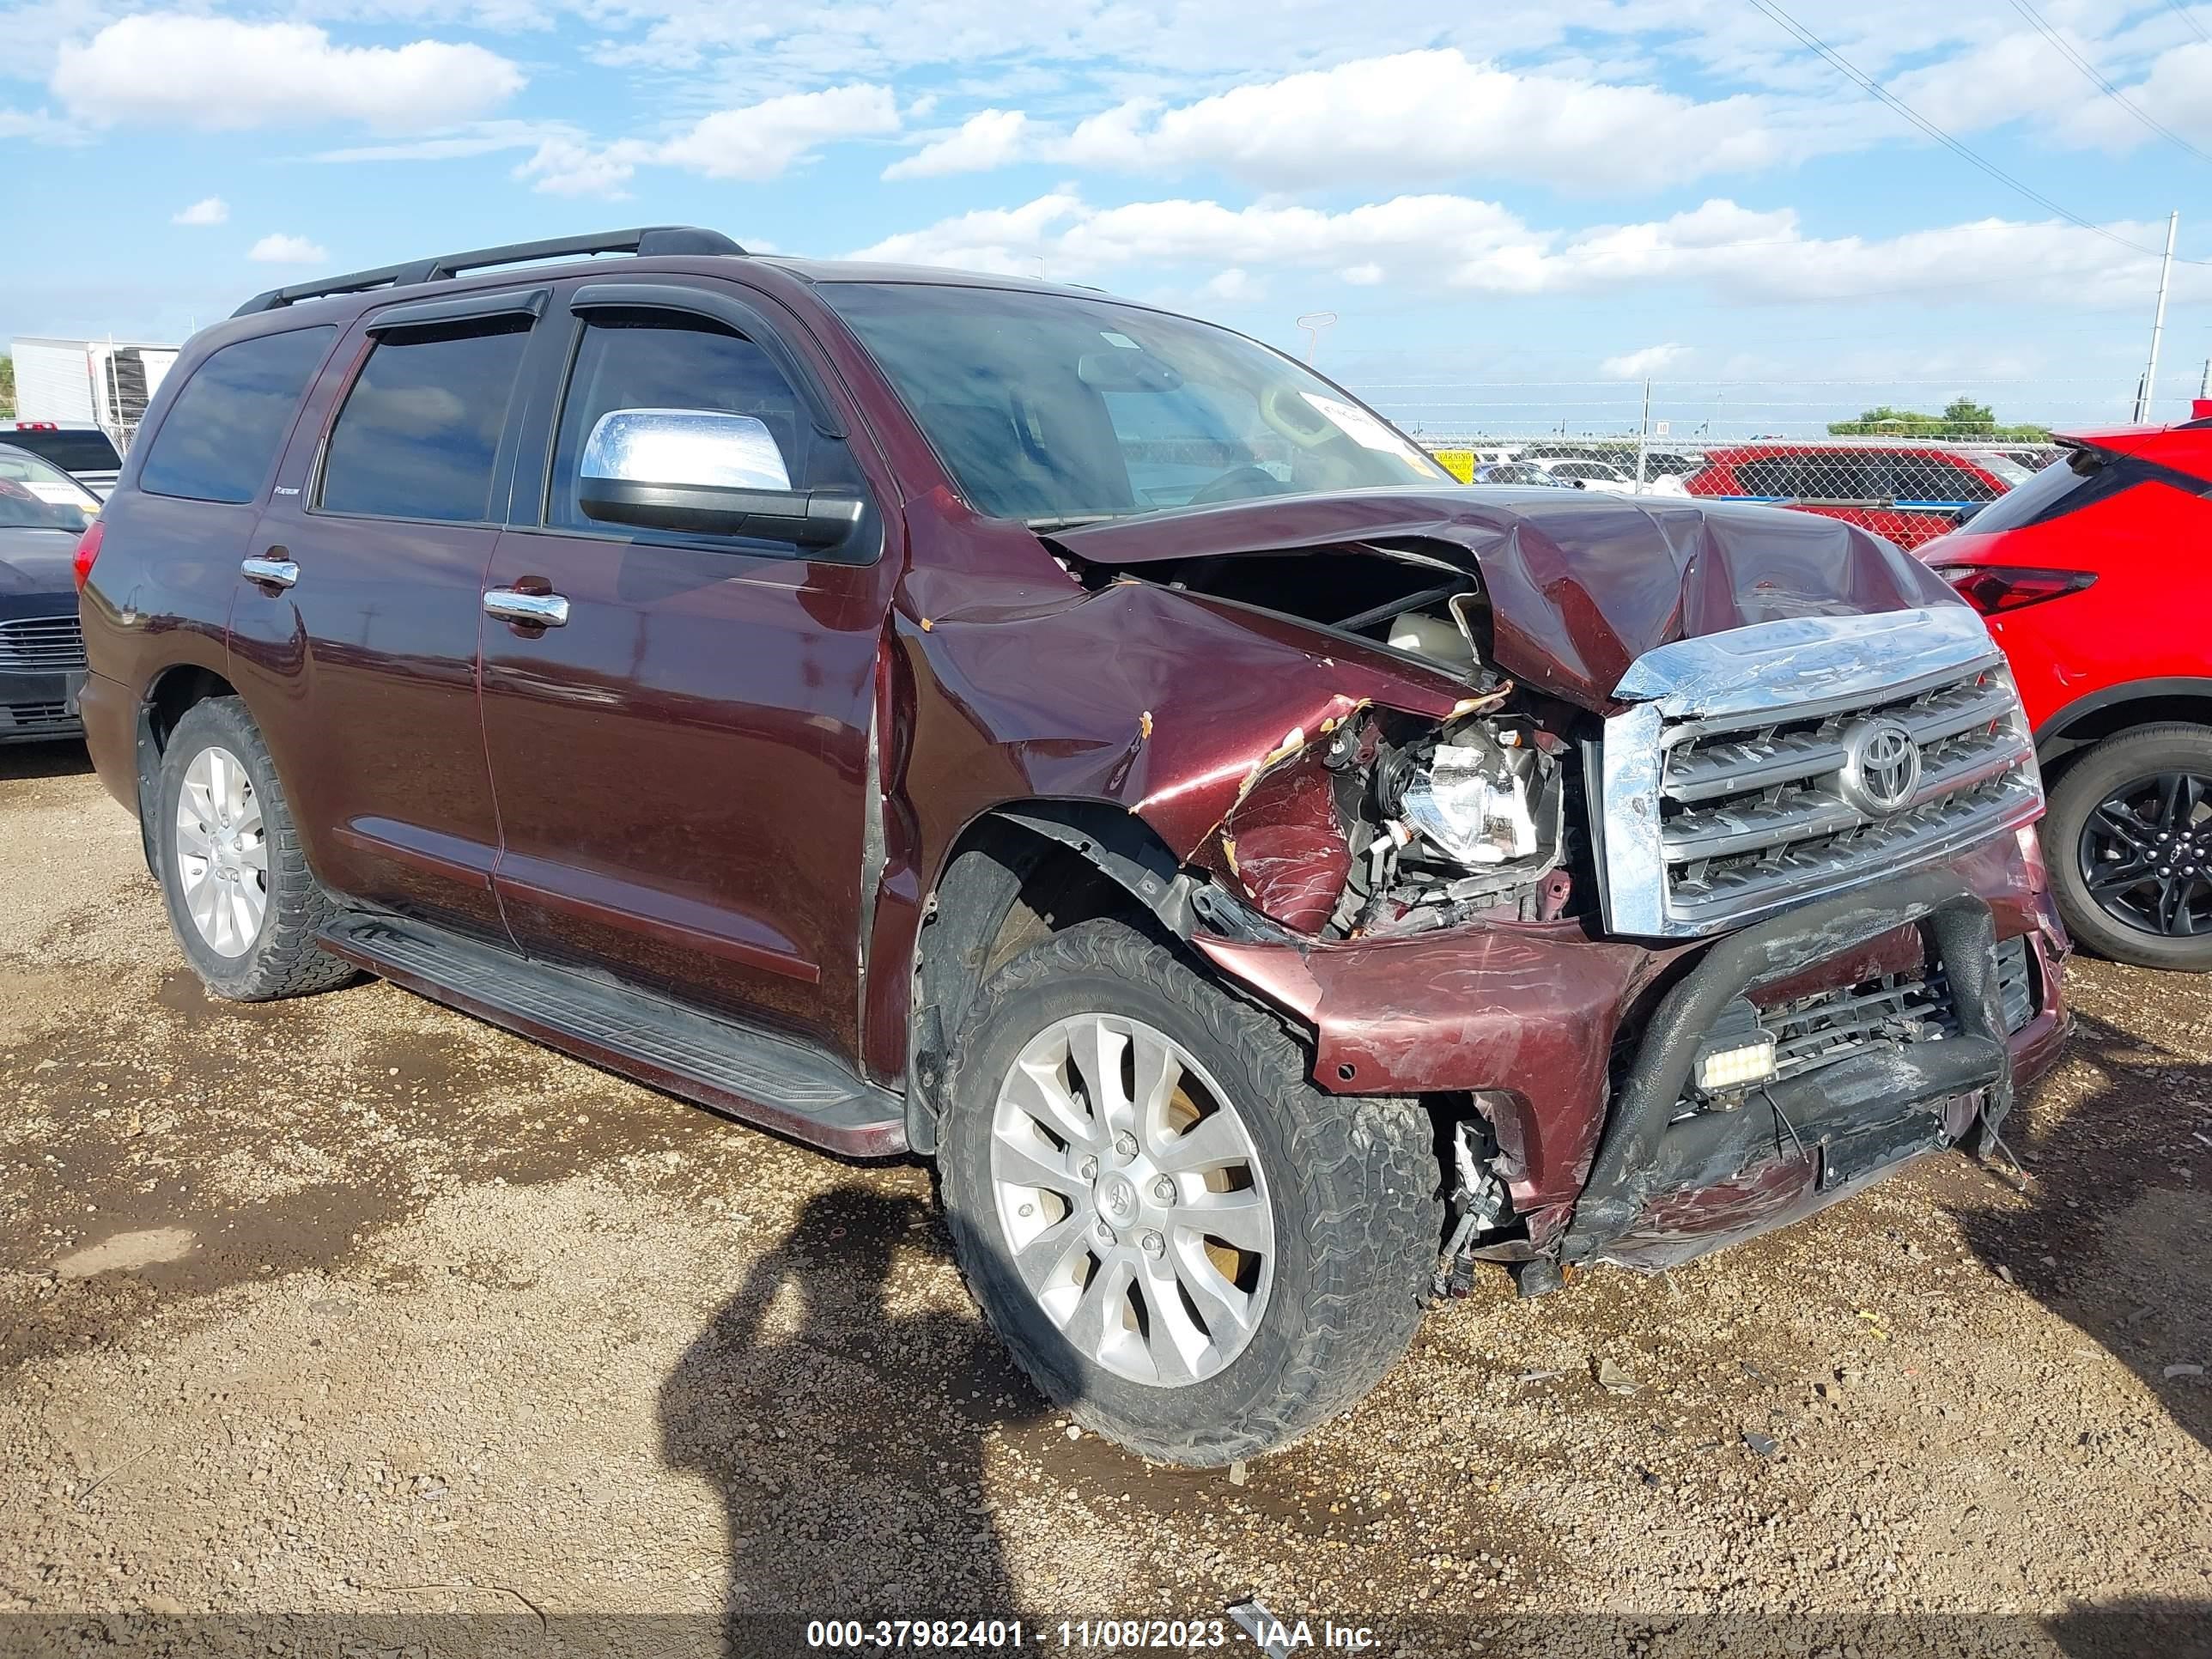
(1184, 1242)
(2129, 841)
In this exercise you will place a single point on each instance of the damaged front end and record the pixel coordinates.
(1688, 920)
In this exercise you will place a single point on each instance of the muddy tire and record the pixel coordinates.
(242, 902)
(2128, 839)
(1189, 1247)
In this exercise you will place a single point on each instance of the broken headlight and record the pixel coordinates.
(1472, 801)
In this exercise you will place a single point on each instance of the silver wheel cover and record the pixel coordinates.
(1131, 1200)
(221, 853)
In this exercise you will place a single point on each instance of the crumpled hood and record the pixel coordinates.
(1580, 583)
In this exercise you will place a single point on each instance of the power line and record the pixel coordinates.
(1868, 83)
(2182, 12)
(2097, 76)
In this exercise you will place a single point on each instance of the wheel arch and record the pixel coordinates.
(169, 696)
(1020, 872)
(2116, 708)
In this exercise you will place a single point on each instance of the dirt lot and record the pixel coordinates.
(353, 1308)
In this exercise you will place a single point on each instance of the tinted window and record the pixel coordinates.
(657, 361)
(1934, 478)
(72, 452)
(221, 436)
(1770, 475)
(420, 430)
(2083, 478)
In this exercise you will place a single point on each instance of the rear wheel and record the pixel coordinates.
(242, 902)
(2128, 840)
(1189, 1247)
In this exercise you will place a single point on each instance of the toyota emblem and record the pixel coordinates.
(1881, 767)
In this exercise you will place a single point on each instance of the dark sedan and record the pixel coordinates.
(43, 511)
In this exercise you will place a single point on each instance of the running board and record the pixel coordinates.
(773, 1081)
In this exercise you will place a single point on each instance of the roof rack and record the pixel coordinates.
(645, 240)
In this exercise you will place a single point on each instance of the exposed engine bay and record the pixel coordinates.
(1383, 822)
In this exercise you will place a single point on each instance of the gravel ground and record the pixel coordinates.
(354, 1308)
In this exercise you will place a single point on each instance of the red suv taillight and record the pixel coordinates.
(87, 549)
(1991, 588)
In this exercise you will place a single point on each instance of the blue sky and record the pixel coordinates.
(1561, 194)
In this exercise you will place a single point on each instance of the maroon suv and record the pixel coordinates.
(927, 714)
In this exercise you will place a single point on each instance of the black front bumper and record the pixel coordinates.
(1853, 1118)
(37, 708)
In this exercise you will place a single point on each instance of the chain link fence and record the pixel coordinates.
(1906, 461)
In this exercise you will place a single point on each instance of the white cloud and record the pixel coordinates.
(757, 142)
(208, 210)
(1235, 285)
(279, 249)
(217, 73)
(1636, 365)
(1455, 244)
(1365, 274)
(1430, 114)
(39, 127)
(988, 139)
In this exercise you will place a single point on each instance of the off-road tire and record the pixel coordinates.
(2088, 778)
(1354, 1185)
(284, 959)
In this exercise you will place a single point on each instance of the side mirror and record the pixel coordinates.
(705, 472)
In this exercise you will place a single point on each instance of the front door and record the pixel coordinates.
(354, 632)
(680, 762)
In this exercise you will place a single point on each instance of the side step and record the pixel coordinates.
(774, 1081)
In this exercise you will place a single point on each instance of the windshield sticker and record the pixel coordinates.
(1364, 429)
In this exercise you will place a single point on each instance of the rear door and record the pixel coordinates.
(682, 764)
(354, 632)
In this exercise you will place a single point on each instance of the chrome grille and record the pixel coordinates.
(42, 644)
(1740, 787)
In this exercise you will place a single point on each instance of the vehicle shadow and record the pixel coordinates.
(839, 1406)
(2114, 1231)
(64, 759)
(2141, 1625)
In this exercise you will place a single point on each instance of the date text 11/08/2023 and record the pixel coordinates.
(1253, 1628)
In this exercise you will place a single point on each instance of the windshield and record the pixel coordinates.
(1054, 409)
(35, 496)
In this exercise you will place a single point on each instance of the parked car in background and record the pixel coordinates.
(1518, 473)
(1909, 493)
(1587, 475)
(43, 513)
(2095, 576)
(804, 686)
(84, 452)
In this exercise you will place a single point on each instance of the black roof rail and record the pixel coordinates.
(647, 239)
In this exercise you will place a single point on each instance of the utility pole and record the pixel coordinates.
(2158, 326)
(1643, 436)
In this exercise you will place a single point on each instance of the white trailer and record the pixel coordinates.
(103, 383)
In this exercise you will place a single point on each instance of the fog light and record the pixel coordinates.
(1737, 1067)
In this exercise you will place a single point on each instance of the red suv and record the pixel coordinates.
(920, 713)
(1909, 493)
(2096, 578)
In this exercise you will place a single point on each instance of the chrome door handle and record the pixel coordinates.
(534, 609)
(269, 572)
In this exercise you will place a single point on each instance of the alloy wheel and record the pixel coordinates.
(1132, 1200)
(223, 853)
(2146, 855)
